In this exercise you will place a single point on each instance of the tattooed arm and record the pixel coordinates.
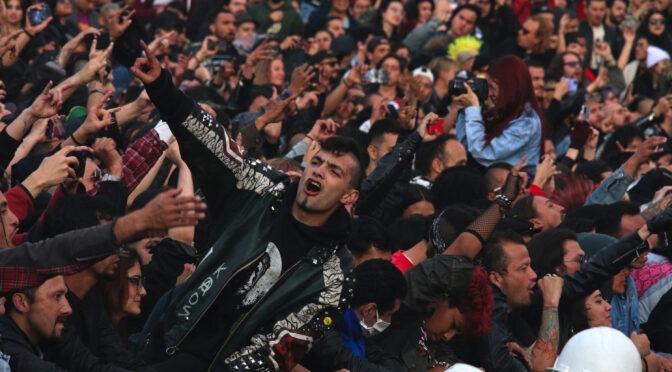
(543, 352)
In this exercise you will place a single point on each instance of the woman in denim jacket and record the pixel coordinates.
(513, 127)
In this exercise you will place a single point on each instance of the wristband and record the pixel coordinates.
(96, 91)
(72, 137)
(28, 33)
(286, 94)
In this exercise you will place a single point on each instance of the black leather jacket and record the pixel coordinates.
(384, 189)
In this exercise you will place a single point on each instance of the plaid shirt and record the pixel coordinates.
(138, 159)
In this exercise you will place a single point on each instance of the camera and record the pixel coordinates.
(374, 76)
(37, 16)
(478, 86)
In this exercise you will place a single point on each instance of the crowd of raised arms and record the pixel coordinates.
(336, 185)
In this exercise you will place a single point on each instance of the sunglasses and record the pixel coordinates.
(657, 21)
(574, 64)
(137, 281)
(580, 260)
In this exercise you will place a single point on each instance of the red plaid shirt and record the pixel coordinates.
(138, 159)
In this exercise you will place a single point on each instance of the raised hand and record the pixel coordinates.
(161, 45)
(59, 167)
(323, 129)
(118, 28)
(8, 43)
(168, 210)
(95, 68)
(105, 149)
(98, 118)
(301, 78)
(48, 103)
(355, 75)
(205, 50)
(146, 69)
(423, 127)
(36, 29)
(550, 287)
(407, 115)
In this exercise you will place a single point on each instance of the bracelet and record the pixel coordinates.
(503, 201)
(310, 138)
(96, 91)
(477, 235)
(28, 33)
(72, 137)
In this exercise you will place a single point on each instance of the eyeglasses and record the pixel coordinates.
(656, 21)
(580, 260)
(137, 281)
(573, 64)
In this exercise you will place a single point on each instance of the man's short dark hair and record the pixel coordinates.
(380, 282)
(471, 7)
(366, 232)
(339, 146)
(547, 250)
(76, 212)
(380, 127)
(218, 12)
(402, 62)
(489, 178)
(524, 208)
(496, 260)
(461, 184)
(431, 150)
(360, 33)
(588, 2)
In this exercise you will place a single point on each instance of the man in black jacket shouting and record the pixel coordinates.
(274, 280)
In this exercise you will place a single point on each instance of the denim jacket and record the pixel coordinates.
(612, 189)
(521, 137)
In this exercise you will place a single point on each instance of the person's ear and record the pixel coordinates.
(350, 197)
(537, 223)
(212, 29)
(372, 151)
(496, 279)
(20, 302)
(561, 270)
(437, 166)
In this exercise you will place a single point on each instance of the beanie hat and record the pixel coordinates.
(655, 55)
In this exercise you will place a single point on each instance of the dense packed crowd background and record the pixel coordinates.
(336, 185)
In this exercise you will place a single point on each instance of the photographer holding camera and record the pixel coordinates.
(512, 127)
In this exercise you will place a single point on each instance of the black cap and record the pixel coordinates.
(321, 55)
(244, 18)
(342, 46)
(167, 21)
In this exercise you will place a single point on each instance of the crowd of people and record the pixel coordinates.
(336, 185)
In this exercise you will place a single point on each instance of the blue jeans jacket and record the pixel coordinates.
(521, 137)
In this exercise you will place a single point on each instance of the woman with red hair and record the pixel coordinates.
(510, 129)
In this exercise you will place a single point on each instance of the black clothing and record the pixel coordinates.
(89, 321)
(28, 357)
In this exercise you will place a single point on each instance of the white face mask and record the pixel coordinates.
(378, 327)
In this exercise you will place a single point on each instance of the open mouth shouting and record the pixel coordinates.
(312, 187)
